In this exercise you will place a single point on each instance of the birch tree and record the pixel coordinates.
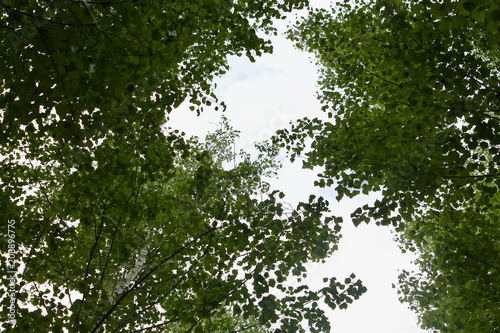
(126, 248)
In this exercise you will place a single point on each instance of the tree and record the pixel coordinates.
(72, 72)
(122, 223)
(457, 286)
(126, 248)
(412, 91)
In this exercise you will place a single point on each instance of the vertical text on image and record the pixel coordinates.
(11, 270)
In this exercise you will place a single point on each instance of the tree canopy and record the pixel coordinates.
(129, 249)
(412, 90)
(74, 71)
(412, 93)
(457, 286)
(122, 223)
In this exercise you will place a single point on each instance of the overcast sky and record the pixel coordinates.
(264, 96)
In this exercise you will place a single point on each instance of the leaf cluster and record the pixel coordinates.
(412, 91)
(457, 286)
(74, 72)
(127, 247)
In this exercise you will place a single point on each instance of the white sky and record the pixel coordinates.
(264, 96)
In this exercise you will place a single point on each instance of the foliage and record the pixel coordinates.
(412, 91)
(225, 321)
(457, 286)
(126, 248)
(74, 71)
(124, 225)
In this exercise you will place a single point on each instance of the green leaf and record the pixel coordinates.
(194, 8)
(469, 6)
